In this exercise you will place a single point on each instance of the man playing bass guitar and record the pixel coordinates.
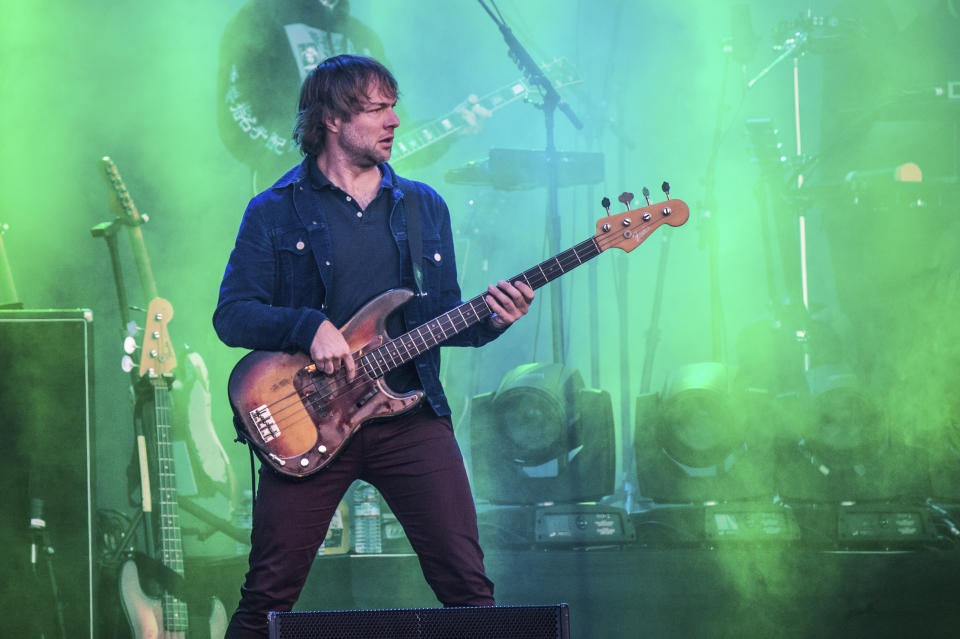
(334, 233)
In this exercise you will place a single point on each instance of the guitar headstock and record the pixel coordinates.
(158, 358)
(120, 200)
(629, 229)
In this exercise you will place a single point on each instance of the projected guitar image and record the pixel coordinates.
(298, 418)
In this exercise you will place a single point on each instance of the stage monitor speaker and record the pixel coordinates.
(482, 622)
(46, 391)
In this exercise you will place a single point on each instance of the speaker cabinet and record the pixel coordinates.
(482, 622)
(46, 394)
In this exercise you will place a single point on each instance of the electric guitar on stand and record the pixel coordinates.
(165, 617)
(217, 494)
(297, 419)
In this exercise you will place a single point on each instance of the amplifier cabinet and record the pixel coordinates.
(481, 622)
(47, 476)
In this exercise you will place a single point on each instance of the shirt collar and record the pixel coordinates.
(319, 181)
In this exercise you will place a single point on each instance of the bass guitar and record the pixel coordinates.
(217, 494)
(297, 418)
(165, 617)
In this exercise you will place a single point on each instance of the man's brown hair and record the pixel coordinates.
(337, 88)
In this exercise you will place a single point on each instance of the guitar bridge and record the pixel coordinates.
(266, 426)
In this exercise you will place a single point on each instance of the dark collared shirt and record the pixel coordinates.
(365, 257)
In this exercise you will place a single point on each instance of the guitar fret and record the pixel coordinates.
(439, 325)
(378, 361)
(393, 360)
(408, 344)
(450, 328)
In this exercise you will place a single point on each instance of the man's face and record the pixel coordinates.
(367, 138)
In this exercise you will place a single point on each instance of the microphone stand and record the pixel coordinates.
(551, 102)
(40, 546)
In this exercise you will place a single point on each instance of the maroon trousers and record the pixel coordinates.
(415, 463)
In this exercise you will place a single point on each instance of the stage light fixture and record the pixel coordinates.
(846, 452)
(542, 437)
(691, 442)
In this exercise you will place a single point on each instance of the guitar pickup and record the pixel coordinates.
(266, 426)
(366, 398)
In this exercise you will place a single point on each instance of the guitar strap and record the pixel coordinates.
(411, 203)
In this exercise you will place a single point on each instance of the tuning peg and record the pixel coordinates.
(626, 198)
(646, 194)
(127, 363)
(666, 189)
(129, 345)
(605, 203)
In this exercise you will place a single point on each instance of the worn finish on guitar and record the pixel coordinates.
(316, 414)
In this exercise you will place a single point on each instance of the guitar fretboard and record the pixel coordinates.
(404, 348)
(171, 546)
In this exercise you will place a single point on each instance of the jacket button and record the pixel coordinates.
(300, 245)
(436, 257)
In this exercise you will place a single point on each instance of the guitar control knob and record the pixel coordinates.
(321, 449)
(304, 462)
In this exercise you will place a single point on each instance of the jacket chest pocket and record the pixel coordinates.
(433, 262)
(298, 278)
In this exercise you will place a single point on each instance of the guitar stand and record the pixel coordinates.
(40, 547)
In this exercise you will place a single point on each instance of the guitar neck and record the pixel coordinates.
(171, 545)
(432, 132)
(404, 348)
(125, 208)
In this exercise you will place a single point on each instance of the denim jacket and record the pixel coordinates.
(273, 292)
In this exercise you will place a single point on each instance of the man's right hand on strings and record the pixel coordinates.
(330, 351)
